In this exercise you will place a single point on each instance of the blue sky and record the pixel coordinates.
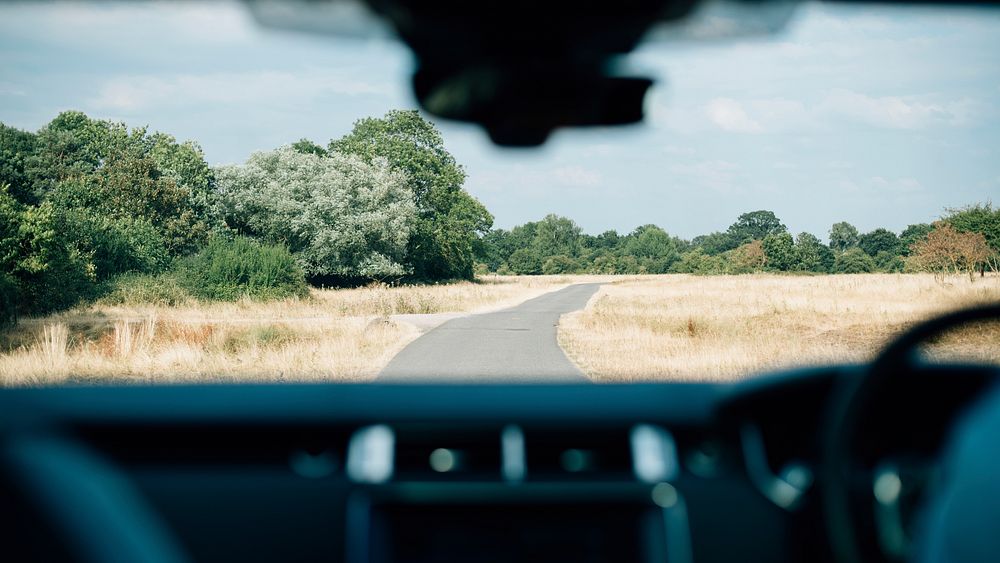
(881, 117)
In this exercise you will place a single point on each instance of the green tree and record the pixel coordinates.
(184, 164)
(556, 236)
(608, 240)
(67, 147)
(889, 262)
(9, 298)
(129, 185)
(16, 148)
(854, 261)
(306, 146)
(879, 240)
(628, 264)
(714, 243)
(525, 261)
(779, 251)
(754, 225)
(340, 215)
(122, 174)
(604, 263)
(843, 236)
(48, 271)
(560, 264)
(813, 255)
(698, 262)
(441, 245)
(652, 247)
(913, 234)
(493, 248)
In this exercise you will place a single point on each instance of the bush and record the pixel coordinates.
(887, 262)
(339, 215)
(558, 265)
(699, 263)
(8, 301)
(48, 271)
(747, 258)
(524, 261)
(145, 289)
(117, 245)
(854, 261)
(227, 270)
(603, 264)
(779, 252)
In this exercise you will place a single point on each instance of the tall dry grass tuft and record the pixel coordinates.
(53, 345)
(730, 327)
(133, 337)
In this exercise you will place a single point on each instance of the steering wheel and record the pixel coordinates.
(853, 399)
(90, 505)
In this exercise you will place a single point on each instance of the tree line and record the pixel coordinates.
(91, 209)
(963, 240)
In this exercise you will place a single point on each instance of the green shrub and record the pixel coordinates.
(779, 252)
(146, 289)
(525, 261)
(558, 265)
(270, 337)
(699, 263)
(888, 262)
(117, 245)
(853, 261)
(8, 300)
(227, 270)
(48, 270)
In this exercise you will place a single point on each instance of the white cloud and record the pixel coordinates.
(576, 176)
(832, 111)
(113, 22)
(131, 93)
(678, 150)
(881, 184)
(717, 175)
(11, 89)
(522, 181)
(848, 186)
(600, 150)
(899, 185)
(781, 114)
(840, 164)
(895, 112)
(729, 115)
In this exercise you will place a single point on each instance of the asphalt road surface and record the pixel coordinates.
(516, 345)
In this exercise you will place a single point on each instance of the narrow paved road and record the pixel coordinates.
(513, 345)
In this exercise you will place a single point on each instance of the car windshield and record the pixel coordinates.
(190, 193)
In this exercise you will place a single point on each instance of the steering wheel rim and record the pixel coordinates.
(852, 397)
(90, 504)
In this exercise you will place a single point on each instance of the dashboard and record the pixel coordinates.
(412, 473)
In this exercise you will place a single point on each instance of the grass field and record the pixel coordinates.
(338, 335)
(680, 327)
(673, 327)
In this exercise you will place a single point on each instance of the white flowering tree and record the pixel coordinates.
(339, 215)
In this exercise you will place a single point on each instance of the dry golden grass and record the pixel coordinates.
(334, 335)
(680, 327)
